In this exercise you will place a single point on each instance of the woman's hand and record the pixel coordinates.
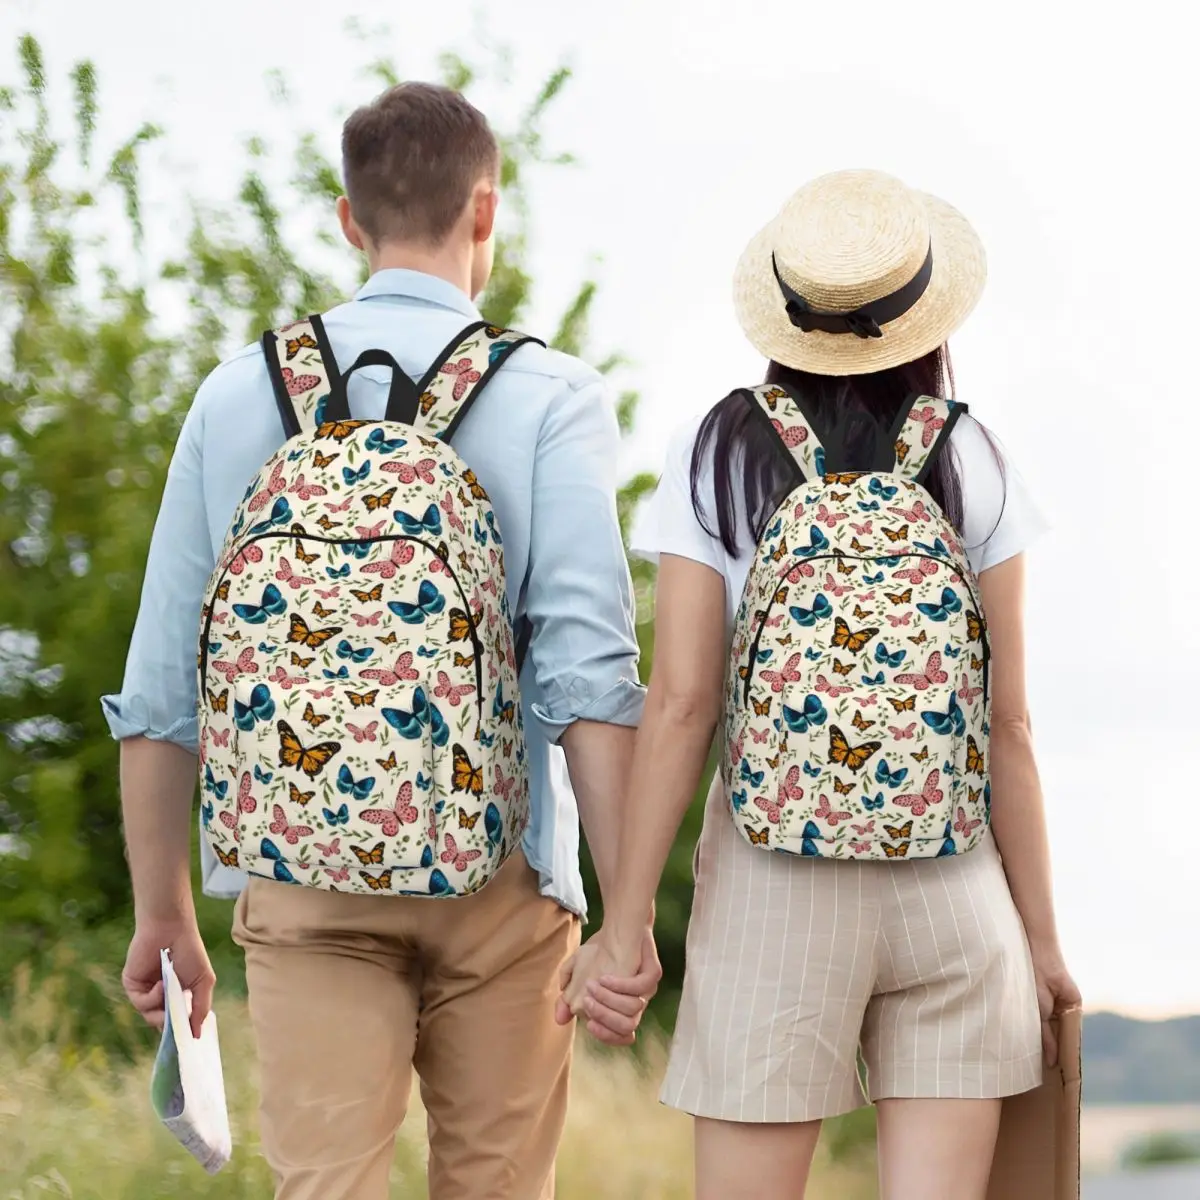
(1056, 993)
(609, 987)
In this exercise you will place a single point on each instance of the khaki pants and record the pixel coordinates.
(349, 993)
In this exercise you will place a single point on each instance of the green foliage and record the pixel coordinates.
(1161, 1148)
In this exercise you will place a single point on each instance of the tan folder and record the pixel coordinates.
(1037, 1152)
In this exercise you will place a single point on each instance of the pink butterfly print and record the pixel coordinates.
(903, 619)
(274, 486)
(798, 572)
(297, 385)
(760, 735)
(370, 531)
(918, 512)
(735, 749)
(401, 672)
(401, 556)
(287, 576)
(306, 491)
(932, 422)
(825, 813)
(962, 825)
(410, 472)
(246, 802)
(869, 827)
(772, 808)
(460, 858)
(403, 812)
(454, 693)
(868, 701)
(829, 519)
(220, 618)
(860, 847)
(285, 680)
(865, 527)
(243, 666)
(362, 620)
(967, 693)
(838, 589)
(338, 875)
(437, 565)
(465, 375)
(290, 833)
(789, 674)
(917, 574)
(833, 690)
(865, 596)
(903, 734)
(345, 504)
(503, 786)
(333, 591)
(489, 585)
(491, 617)
(793, 435)
(930, 794)
(219, 737)
(244, 557)
(320, 693)
(774, 621)
(330, 851)
(790, 790)
(363, 735)
(932, 674)
(447, 506)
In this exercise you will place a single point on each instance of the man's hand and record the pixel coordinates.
(142, 977)
(609, 989)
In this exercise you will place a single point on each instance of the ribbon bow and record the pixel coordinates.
(860, 323)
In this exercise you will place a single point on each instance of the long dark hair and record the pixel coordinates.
(855, 413)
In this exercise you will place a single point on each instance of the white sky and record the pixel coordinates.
(1066, 137)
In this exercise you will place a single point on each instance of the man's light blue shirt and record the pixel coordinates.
(544, 442)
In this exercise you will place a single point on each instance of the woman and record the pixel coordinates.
(936, 958)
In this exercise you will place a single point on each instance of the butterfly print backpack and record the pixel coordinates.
(360, 724)
(856, 707)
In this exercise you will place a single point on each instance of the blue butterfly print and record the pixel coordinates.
(493, 826)
(341, 817)
(490, 518)
(872, 506)
(293, 456)
(260, 708)
(267, 648)
(280, 514)
(775, 529)
(812, 655)
(214, 647)
(875, 578)
(938, 549)
(892, 560)
(355, 550)
(345, 650)
(948, 768)
(948, 846)
(429, 525)
(887, 658)
(340, 673)
(951, 721)
(885, 775)
(377, 442)
(424, 713)
(273, 605)
(495, 350)
(821, 609)
(878, 681)
(319, 411)
(819, 459)
(480, 533)
(809, 838)
(941, 612)
(818, 542)
(220, 790)
(952, 651)
(439, 885)
(424, 782)
(359, 789)
(429, 603)
(764, 656)
(873, 805)
(502, 710)
(237, 526)
(356, 475)
(753, 778)
(882, 490)
(425, 652)
(272, 851)
(739, 799)
(343, 572)
(487, 740)
(811, 715)
(427, 857)
(261, 775)
(206, 813)
(811, 771)
(987, 796)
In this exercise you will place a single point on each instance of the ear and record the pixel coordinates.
(350, 229)
(486, 199)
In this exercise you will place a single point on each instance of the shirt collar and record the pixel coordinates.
(416, 285)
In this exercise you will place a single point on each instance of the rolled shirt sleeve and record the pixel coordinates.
(579, 595)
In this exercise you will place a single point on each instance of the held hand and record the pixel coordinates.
(142, 977)
(608, 989)
(1056, 992)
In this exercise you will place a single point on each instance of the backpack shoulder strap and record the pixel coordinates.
(793, 429)
(460, 373)
(304, 374)
(922, 430)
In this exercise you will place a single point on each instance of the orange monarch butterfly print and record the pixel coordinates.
(899, 832)
(857, 546)
(378, 883)
(861, 613)
(842, 477)
(296, 796)
(902, 449)
(322, 460)
(908, 704)
(428, 400)
(854, 641)
(976, 663)
(372, 857)
(842, 789)
(382, 500)
(304, 557)
(838, 497)
(853, 758)
(312, 760)
(760, 837)
(900, 851)
(464, 660)
(922, 756)
(388, 639)
(218, 703)
(896, 535)
(761, 707)
(389, 763)
(460, 625)
(313, 718)
(975, 763)
(974, 627)
(305, 341)
(861, 723)
(467, 777)
(844, 568)
(326, 524)
(338, 430)
(466, 820)
(773, 763)
(841, 668)
(903, 597)
(778, 553)
(475, 486)
(227, 860)
(314, 639)
(223, 590)
(362, 699)
(372, 597)
(921, 639)
(297, 661)
(772, 396)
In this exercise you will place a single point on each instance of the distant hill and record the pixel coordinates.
(1140, 1062)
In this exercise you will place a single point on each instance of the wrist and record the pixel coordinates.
(165, 913)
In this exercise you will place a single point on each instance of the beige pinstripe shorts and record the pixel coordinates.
(796, 965)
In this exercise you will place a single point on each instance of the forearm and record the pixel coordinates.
(1019, 826)
(157, 783)
(668, 760)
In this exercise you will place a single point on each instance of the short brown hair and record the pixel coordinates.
(410, 159)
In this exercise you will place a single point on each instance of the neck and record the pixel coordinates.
(449, 262)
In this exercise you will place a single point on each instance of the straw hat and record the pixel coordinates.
(858, 272)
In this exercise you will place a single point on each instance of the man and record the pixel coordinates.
(348, 993)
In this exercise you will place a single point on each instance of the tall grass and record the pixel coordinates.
(74, 1123)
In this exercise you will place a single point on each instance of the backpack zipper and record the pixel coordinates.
(399, 537)
(987, 654)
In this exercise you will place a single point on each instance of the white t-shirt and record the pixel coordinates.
(999, 516)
